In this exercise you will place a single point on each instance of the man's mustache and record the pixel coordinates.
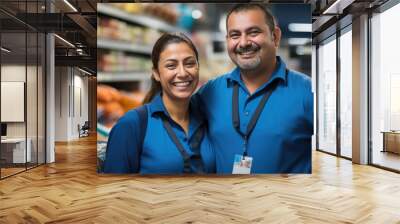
(250, 47)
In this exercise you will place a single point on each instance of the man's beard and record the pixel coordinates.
(248, 64)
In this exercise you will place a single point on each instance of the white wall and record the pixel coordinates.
(16, 73)
(61, 103)
(81, 103)
(71, 93)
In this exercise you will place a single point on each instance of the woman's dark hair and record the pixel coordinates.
(159, 46)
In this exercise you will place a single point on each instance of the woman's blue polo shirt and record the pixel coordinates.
(159, 153)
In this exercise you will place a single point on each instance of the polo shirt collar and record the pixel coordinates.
(156, 106)
(279, 73)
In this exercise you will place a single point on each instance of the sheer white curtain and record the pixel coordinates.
(346, 94)
(327, 96)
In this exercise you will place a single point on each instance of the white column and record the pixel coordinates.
(360, 90)
(50, 99)
(314, 90)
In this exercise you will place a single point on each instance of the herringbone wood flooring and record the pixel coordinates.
(70, 191)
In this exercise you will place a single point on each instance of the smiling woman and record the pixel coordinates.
(168, 52)
(168, 115)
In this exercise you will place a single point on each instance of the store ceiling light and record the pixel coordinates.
(70, 5)
(84, 71)
(303, 50)
(196, 14)
(65, 41)
(298, 41)
(5, 49)
(222, 23)
(300, 27)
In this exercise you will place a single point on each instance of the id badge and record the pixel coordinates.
(242, 165)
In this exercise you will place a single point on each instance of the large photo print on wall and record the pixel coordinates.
(196, 88)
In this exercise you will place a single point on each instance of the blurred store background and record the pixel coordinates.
(126, 33)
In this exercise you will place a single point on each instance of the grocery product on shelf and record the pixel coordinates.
(165, 12)
(115, 61)
(131, 8)
(114, 29)
(113, 103)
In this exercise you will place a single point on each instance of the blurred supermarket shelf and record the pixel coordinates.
(123, 46)
(122, 76)
(138, 19)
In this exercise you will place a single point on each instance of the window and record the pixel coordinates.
(327, 96)
(22, 75)
(346, 93)
(385, 89)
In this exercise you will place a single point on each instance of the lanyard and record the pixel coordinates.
(254, 117)
(196, 157)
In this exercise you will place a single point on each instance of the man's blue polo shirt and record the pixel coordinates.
(160, 155)
(281, 139)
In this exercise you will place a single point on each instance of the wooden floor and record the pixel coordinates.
(5, 172)
(10, 171)
(70, 191)
(388, 159)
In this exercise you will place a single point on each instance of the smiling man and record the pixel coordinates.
(260, 114)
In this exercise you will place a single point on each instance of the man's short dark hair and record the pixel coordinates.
(269, 18)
